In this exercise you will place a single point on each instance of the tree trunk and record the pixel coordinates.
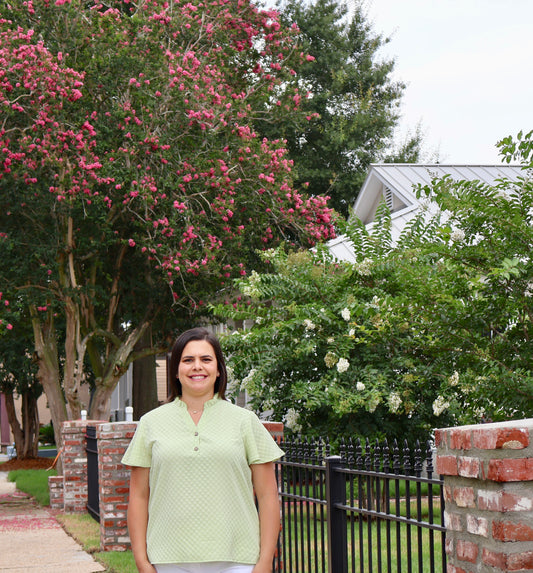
(48, 373)
(144, 379)
(73, 366)
(30, 425)
(16, 428)
(122, 358)
(26, 435)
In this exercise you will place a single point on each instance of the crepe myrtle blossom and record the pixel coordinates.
(345, 313)
(360, 386)
(439, 405)
(309, 324)
(342, 365)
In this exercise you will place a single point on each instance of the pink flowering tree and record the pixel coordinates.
(134, 185)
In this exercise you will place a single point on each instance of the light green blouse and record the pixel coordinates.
(201, 505)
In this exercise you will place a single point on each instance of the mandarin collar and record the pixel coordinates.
(207, 404)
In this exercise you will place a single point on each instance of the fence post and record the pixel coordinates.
(335, 494)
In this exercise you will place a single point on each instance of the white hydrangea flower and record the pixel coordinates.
(479, 412)
(291, 420)
(342, 365)
(351, 332)
(395, 401)
(439, 405)
(309, 324)
(345, 313)
(233, 383)
(364, 267)
(360, 386)
(247, 379)
(330, 359)
(331, 340)
(252, 288)
(457, 236)
(373, 403)
(454, 379)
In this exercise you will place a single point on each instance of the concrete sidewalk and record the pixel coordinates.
(33, 541)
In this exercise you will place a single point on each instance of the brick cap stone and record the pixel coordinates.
(526, 423)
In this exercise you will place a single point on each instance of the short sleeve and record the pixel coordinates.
(260, 445)
(139, 452)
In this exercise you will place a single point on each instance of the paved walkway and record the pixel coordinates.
(33, 541)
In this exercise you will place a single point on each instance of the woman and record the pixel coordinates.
(195, 464)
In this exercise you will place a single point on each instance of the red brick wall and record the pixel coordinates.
(488, 490)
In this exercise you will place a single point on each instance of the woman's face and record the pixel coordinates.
(198, 370)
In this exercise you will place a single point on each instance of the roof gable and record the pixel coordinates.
(394, 183)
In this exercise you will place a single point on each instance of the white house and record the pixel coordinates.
(394, 183)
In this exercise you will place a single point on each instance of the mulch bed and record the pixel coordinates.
(27, 464)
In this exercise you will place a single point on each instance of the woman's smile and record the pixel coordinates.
(198, 369)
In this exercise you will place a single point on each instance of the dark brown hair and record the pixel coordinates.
(175, 358)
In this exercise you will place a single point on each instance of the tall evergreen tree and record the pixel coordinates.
(351, 95)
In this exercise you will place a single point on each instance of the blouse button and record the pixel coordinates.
(195, 433)
(196, 449)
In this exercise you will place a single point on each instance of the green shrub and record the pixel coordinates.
(46, 434)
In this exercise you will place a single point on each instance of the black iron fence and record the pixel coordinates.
(373, 508)
(93, 496)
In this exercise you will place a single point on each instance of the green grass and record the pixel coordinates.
(86, 531)
(33, 482)
(403, 543)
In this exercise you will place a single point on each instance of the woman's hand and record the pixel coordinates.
(262, 567)
(146, 568)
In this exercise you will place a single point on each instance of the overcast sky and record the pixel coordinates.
(468, 68)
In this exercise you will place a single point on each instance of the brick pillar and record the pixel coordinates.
(114, 484)
(488, 490)
(74, 459)
(276, 430)
(55, 485)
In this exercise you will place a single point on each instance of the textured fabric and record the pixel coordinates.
(218, 567)
(201, 505)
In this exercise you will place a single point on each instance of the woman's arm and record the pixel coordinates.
(138, 517)
(266, 491)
